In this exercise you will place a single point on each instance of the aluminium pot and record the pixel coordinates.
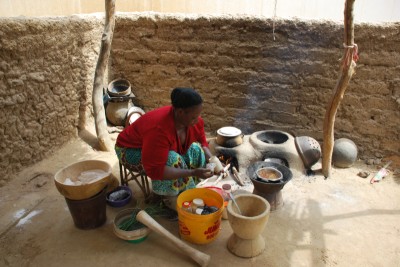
(309, 150)
(229, 136)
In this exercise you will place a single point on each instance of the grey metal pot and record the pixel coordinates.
(229, 137)
(309, 150)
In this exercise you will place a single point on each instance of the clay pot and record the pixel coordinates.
(246, 240)
(116, 112)
(119, 87)
(344, 153)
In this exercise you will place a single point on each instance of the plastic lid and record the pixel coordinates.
(199, 211)
(198, 202)
(186, 204)
(226, 187)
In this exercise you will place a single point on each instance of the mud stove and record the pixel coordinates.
(269, 148)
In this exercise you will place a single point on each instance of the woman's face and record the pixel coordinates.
(189, 116)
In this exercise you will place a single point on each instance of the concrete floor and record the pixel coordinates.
(341, 221)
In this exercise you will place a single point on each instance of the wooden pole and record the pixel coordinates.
(347, 70)
(103, 137)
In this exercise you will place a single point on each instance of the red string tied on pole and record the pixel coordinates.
(351, 53)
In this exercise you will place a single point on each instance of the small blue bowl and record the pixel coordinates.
(119, 197)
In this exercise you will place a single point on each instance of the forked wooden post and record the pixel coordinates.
(103, 137)
(347, 70)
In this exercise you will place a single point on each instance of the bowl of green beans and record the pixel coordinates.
(128, 228)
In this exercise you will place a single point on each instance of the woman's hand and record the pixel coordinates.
(202, 173)
(171, 173)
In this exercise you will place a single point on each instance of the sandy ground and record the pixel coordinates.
(341, 221)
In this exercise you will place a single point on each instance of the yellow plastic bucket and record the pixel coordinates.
(200, 229)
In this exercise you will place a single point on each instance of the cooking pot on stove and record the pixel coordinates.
(229, 136)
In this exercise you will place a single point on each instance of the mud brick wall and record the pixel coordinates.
(46, 76)
(247, 79)
(253, 82)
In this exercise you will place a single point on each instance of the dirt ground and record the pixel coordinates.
(341, 221)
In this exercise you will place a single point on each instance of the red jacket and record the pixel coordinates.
(155, 134)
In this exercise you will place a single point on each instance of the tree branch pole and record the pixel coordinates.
(103, 137)
(347, 70)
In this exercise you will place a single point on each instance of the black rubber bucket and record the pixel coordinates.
(89, 213)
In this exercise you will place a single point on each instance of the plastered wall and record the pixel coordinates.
(248, 79)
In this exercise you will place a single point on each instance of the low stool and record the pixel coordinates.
(137, 174)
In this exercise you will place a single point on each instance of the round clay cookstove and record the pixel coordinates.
(277, 144)
(271, 191)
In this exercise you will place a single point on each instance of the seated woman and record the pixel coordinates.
(170, 142)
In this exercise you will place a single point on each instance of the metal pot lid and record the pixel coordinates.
(229, 131)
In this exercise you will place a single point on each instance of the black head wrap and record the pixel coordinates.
(185, 98)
